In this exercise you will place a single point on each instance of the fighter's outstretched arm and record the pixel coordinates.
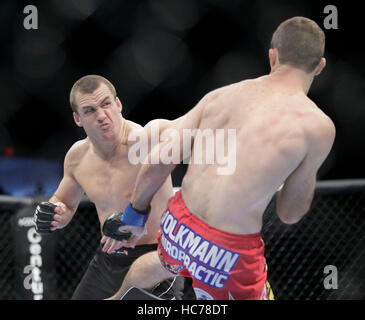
(152, 175)
(159, 166)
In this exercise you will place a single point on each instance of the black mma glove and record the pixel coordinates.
(130, 217)
(111, 226)
(43, 216)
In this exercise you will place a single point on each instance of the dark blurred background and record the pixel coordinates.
(162, 56)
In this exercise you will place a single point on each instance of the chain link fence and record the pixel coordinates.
(331, 234)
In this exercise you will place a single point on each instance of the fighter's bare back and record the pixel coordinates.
(275, 130)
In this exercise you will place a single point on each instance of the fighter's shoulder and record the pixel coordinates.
(156, 125)
(76, 153)
(161, 124)
(317, 119)
(318, 127)
(133, 126)
(241, 87)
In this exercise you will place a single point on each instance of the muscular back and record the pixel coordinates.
(272, 139)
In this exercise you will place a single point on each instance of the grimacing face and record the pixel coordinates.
(98, 112)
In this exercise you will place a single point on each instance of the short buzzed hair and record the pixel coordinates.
(88, 84)
(300, 43)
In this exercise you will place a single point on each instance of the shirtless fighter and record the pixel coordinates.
(211, 228)
(98, 165)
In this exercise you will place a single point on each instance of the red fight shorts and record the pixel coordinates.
(223, 266)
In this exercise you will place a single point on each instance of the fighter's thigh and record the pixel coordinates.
(150, 264)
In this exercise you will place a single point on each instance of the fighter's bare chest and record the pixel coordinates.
(107, 184)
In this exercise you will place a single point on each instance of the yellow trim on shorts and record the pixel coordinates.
(270, 293)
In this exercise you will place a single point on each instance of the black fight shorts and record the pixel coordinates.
(106, 272)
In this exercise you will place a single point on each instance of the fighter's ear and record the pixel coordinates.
(273, 57)
(119, 104)
(77, 119)
(320, 66)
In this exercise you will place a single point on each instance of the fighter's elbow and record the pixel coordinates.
(289, 219)
(291, 216)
